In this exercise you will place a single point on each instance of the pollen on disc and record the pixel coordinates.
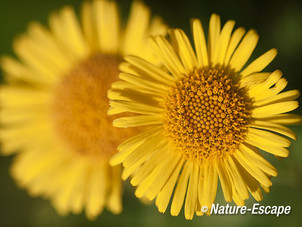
(80, 107)
(206, 115)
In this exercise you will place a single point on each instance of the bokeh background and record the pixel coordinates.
(279, 24)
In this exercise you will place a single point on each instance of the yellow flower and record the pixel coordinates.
(54, 104)
(207, 114)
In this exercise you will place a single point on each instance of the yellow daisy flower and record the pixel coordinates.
(54, 104)
(207, 113)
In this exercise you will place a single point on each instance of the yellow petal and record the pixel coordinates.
(224, 181)
(129, 145)
(152, 70)
(114, 202)
(251, 183)
(253, 79)
(260, 63)
(71, 28)
(235, 39)
(273, 109)
(191, 198)
(282, 97)
(251, 169)
(286, 119)
(267, 146)
(165, 172)
(136, 107)
(145, 185)
(236, 177)
(89, 26)
(223, 43)
(163, 198)
(136, 28)
(211, 185)
(251, 153)
(96, 191)
(134, 121)
(274, 127)
(107, 25)
(244, 51)
(200, 43)
(268, 137)
(169, 57)
(146, 84)
(185, 50)
(145, 150)
(181, 188)
(160, 154)
(213, 36)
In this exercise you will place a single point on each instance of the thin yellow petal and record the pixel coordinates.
(253, 79)
(251, 183)
(129, 145)
(268, 137)
(22, 47)
(244, 51)
(155, 86)
(275, 128)
(166, 171)
(191, 198)
(224, 181)
(267, 146)
(96, 191)
(107, 25)
(145, 185)
(169, 57)
(273, 109)
(163, 198)
(236, 177)
(89, 26)
(260, 63)
(286, 119)
(136, 28)
(223, 43)
(200, 43)
(185, 50)
(235, 39)
(72, 29)
(114, 202)
(181, 188)
(213, 36)
(145, 150)
(259, 91)
(250, 153)
(152, 70)
(282, 97)
(136, 107)
(251, 169)
(134, 121)
(211, 185)
(160, 154)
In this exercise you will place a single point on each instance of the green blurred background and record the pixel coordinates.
(279, 24)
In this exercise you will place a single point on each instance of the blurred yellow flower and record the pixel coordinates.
(54, 104)
(207, 112)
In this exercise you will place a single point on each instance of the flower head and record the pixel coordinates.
(54, 104)
(208, 112)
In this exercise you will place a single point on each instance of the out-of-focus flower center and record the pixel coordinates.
(80, 107)
(206, 115)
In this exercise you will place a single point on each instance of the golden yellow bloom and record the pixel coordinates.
(54, 104)
(207, 114)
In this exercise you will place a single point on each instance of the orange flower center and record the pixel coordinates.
(80, 108)
(206, 115)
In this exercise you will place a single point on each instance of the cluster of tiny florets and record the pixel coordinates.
(206, 114)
